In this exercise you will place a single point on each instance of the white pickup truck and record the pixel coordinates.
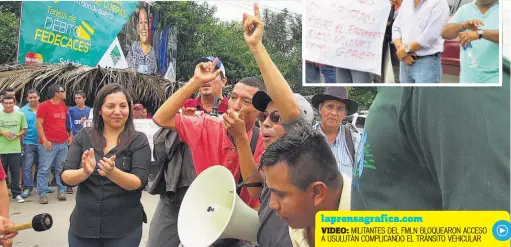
(358, 119)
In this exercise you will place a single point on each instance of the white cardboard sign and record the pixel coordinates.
(346, 33)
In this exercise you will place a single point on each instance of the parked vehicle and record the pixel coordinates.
(358, 119)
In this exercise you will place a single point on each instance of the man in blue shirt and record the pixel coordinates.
(30, 141)
(477, 26)
(77, 115)
(80, 112)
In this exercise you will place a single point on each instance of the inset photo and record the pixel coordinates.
(396, 42)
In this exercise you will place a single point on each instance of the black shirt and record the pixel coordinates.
(104, 209)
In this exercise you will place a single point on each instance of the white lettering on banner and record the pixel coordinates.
(149, 128)
(346, 33)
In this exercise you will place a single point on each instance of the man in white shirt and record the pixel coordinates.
(300, 189)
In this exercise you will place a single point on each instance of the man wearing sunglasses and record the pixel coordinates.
(284, 112)
(344, 140)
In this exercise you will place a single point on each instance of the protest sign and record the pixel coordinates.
(346, 33)
(148, 127)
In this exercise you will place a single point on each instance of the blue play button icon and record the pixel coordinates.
(501, 230)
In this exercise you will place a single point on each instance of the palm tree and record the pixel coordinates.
(146, 89)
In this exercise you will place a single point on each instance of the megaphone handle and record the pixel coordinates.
(242, 183)
(18, 228)
(251, 185)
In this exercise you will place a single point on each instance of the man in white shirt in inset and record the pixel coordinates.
(416, 34)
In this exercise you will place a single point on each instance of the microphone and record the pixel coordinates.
(214, 110)
(40, 222)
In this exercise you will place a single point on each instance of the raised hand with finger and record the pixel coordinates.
(253, 28)
(88, 162)
(205, 72)
(106, 166)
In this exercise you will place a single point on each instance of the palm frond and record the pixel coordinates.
(145, 89)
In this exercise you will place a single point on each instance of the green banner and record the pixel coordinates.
(70, 31)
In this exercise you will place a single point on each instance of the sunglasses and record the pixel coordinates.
(274, 117)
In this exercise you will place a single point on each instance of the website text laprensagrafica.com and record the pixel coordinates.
(384, 218)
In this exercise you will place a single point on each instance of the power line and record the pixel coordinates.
(276, 9)
(249, 6)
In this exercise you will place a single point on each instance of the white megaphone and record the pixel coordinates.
(211, 210)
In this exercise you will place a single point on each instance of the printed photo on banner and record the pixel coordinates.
(418, 43)
(115, 34)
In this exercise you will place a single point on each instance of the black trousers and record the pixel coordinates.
(12, 163)
(132, 240)
(387, 41)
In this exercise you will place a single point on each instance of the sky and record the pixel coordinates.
(229, 10)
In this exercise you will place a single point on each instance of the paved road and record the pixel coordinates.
(60, 211)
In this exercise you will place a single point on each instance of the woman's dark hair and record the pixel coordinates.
(140, 8)
(96, 132)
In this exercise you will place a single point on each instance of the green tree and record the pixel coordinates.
(364, 96)
(283, 40)
(192, 22)
(8, 37)
(13, 7)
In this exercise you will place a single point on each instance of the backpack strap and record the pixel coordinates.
(253, 145)
(349, 141)
(255, 137)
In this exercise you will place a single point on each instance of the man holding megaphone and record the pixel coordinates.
(283, 112)
(209, 142)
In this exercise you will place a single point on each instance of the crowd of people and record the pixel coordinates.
(415, 34)
(266, 136)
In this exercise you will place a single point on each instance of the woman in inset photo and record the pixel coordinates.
(141, 55)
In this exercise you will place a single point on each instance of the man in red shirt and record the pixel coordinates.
(163, 231)
(209, 91)
(205, 135)
(138, 111)
(55, 135)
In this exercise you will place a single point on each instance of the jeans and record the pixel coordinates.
(424, 70)
(30, 156)
(47, 159)
(132, 240)
(353, 76)
(312, 73)
(329, 73)
(12, 162)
